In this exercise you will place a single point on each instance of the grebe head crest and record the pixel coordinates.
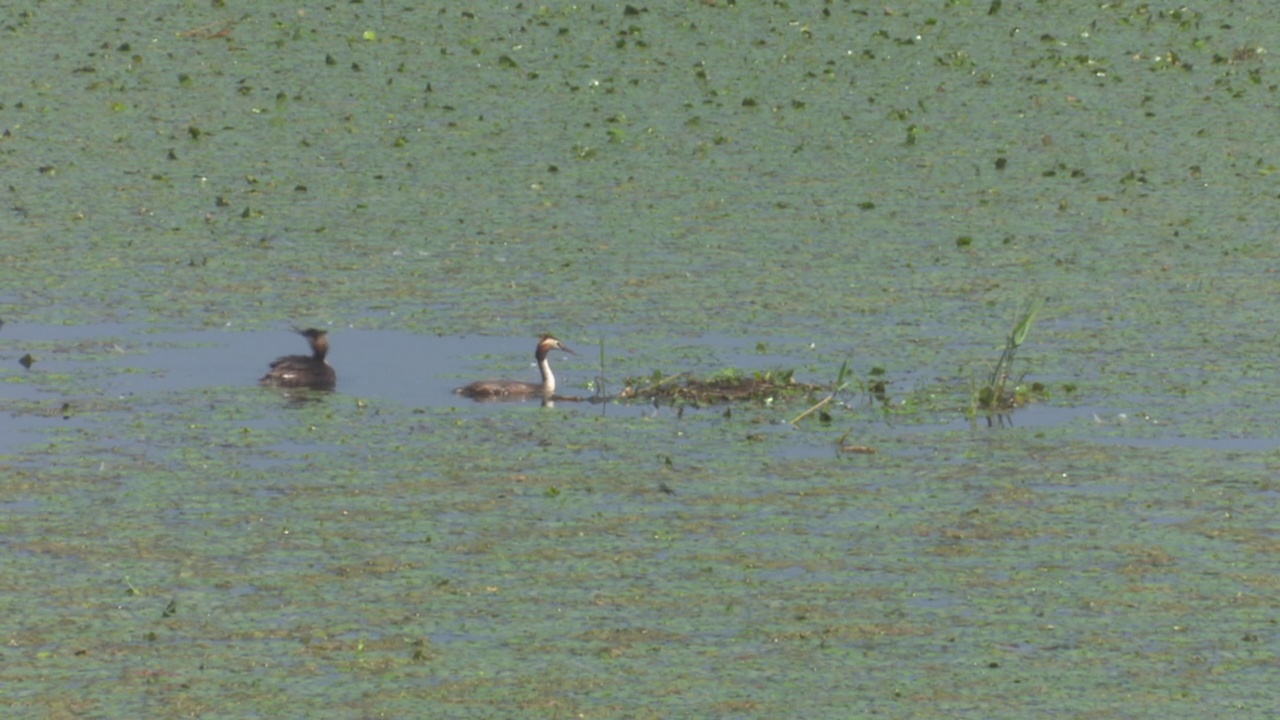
(549, 343)
(318, 339)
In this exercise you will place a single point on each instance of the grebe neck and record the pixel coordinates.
(510, 389)
(548, 377)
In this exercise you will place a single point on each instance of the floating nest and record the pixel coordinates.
(1000, 400)
(728, 386)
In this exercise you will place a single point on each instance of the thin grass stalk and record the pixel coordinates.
(1001, 372)
(600, 382)
(835, 388)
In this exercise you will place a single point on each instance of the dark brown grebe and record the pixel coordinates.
(514, 389)
(304, 371)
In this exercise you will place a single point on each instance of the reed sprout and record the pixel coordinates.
(995, 395)
(836, 387)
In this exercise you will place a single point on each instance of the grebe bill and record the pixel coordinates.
(515, 389)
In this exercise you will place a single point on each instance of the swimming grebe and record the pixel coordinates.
(514, 389)
(304, 371)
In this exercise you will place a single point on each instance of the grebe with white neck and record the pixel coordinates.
(304, 371)
(515, 389)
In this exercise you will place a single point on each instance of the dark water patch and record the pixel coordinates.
(409, 368)
(418, 371)
(414, 369)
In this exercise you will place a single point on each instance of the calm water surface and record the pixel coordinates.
(697, 186)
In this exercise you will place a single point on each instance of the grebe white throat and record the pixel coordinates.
(515, 389)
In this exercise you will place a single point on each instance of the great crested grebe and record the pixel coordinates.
(304, 371)
(514, 389)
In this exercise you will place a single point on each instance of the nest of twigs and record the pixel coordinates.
(729, 386)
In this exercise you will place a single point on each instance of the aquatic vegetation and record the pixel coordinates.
(208, 547)
(836, 387)
(727, 385)
(1001, 391)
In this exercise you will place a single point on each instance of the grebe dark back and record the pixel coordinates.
(514, 389)
(304, 371)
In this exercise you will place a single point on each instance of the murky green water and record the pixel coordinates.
(698, 185)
